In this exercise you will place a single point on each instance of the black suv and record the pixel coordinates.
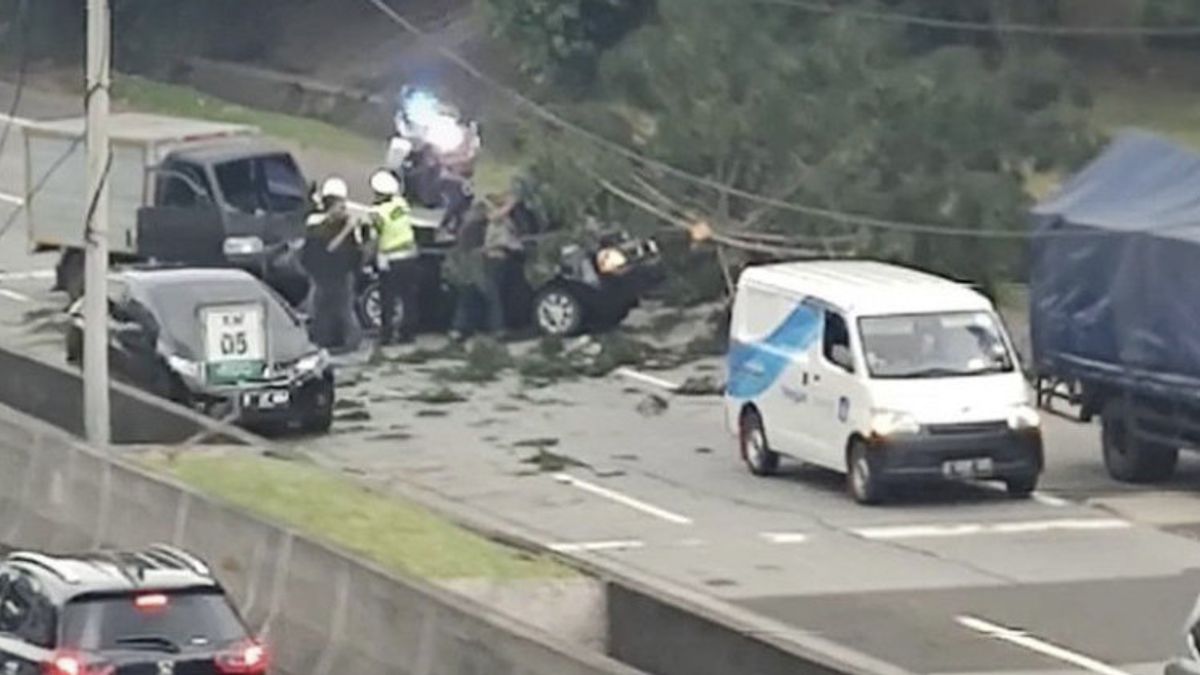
(152, 612)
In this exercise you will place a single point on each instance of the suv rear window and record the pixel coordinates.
(186, 620)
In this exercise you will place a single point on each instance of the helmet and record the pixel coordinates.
(335, 188)
(384, 182)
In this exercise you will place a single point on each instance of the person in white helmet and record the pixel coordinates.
(331, 255)
(397, 258)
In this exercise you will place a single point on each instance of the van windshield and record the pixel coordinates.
(916, 346)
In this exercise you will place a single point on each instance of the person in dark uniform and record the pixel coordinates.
(332, 254)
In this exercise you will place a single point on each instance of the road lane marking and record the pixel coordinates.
(624, 500)
(11, 199)
(18, 121)
(1034, 644)
(590, 546)
(13, 295)
(27, 276)
(1050, 500)
(651, 380)
(784, 537)
(968, 529)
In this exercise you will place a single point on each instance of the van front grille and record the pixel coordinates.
(973, 428)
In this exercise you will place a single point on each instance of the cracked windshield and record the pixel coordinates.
(600, 337)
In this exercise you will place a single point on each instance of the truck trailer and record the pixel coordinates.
(1115, 302)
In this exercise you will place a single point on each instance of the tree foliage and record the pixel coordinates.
(561, 41)
(841, 115)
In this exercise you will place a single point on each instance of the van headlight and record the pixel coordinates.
(185, 367)
(311, 363)
(1024, 417)
(893, 422)
(243, 246)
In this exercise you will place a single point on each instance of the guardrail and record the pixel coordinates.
(322, 611)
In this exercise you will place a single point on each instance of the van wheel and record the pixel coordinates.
(1128, 458)
(862, 481)
(756, 452)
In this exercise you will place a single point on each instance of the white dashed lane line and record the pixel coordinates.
(973, 529)
(784, 537)
(623, 499)
(11, 199)
(631, 374)
(594, 546)
(15, 296)
(1035, 644)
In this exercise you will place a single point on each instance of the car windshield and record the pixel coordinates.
(934, 345)
(270, 184)
(170, 622)
(177, 305)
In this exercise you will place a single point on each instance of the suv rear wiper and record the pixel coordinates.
(152, 641)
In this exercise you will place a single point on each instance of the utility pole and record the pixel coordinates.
(95, 303)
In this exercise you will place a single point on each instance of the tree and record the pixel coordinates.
(839, 114)
(561, 41)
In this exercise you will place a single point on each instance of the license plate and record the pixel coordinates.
(267, 400)
(968, 468)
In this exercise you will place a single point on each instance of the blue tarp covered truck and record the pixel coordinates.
(1115, 302)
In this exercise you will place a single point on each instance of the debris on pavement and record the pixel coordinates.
(652, 405)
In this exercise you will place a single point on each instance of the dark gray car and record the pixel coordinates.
(216, 340)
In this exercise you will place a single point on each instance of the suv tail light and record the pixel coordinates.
(245, 658)
(68, 663)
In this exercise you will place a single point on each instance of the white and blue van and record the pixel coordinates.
(881, 372)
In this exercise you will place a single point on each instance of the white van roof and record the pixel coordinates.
(868, 288)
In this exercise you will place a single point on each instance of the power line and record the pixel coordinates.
(984, 26)
(556, 121)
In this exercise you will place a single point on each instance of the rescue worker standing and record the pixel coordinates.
(397, 259)
(331, 255)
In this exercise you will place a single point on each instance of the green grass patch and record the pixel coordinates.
(170, 99)
(398, 535)
(1154, 105)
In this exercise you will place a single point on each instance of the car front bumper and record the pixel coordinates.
(932, 455)
(253, 404)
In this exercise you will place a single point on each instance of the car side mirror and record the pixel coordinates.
(840, 356)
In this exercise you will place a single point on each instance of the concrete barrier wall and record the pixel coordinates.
(322, 611)
(364, 112)
(53, 394)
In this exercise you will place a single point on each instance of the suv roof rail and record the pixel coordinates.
(122, 563)
(180, 557)
(53, 565)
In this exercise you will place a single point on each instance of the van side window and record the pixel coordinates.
(837, 334)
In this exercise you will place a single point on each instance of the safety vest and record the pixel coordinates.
(396, 236)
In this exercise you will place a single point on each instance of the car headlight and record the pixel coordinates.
(243, 246)
(185, 367)
(893, 422)
(1024, 417)
(311, 362)
(611, 260)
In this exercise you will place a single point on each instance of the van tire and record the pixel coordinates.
(1130, 459)
(756, 451)
(862, 481)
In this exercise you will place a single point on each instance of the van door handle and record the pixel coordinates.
(804, 379)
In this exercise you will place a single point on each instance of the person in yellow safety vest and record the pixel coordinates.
(397, 259)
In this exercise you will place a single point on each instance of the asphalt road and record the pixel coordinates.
(1089, 576)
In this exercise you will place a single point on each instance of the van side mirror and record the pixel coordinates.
(840, 356)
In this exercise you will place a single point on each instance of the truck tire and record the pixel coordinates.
(1128, 458)
(862, 481)
(69, 274)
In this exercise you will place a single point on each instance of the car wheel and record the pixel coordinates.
(70, 277)
(1130, 459)
(369, 308)
(74, 346)
(317, 413)
(756, 451)
(862, 480)
(1021, 488)
(558, 312)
